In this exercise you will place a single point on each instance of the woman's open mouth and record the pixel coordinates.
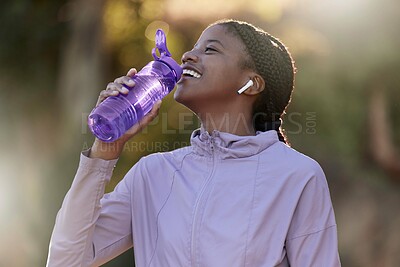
(191, 73)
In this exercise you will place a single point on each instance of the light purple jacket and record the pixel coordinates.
(225, 201)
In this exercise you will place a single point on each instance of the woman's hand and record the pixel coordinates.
(113, 150)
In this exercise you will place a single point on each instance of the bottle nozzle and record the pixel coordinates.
(165, 55)
(161, 45)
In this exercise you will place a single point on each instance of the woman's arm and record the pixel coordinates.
(312, 238)
(91, 229)
(72, 238)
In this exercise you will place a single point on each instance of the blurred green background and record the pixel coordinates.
(56, 56)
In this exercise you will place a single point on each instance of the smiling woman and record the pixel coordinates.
(217, 60)
(237, 196)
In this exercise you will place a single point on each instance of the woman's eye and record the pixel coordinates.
(210, 49)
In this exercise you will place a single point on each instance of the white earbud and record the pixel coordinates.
(245, 87)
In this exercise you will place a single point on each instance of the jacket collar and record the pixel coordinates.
(226, 145)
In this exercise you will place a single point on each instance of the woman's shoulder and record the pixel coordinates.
(155, 165)
(290, 159)
(155, 160)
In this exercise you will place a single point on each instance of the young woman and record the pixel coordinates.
(238, 196)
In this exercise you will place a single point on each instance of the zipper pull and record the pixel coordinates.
(212, 144)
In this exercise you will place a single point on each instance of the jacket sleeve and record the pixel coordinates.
(91, 228)
(312, 238)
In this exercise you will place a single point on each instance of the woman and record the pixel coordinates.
(238, 196)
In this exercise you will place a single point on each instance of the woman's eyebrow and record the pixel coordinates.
(215, 41)
(211, 41)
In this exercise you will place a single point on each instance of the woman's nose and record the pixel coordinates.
(189, 56)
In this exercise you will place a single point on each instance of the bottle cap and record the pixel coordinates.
(165, 55)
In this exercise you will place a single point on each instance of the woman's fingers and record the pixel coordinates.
(132, 72)
(118, 86)
(125, 80)
(111, 90)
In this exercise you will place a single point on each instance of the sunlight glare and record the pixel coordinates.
(152, 28)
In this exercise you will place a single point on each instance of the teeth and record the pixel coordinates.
(191, 73)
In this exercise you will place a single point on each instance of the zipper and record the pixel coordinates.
(196, 208)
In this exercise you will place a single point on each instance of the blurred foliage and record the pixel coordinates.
(31, 34)
(343, 49)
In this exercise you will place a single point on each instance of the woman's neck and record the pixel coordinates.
(236, 123)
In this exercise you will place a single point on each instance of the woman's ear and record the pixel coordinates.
(257, 87)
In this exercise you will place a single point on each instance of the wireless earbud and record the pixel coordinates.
(245, 87)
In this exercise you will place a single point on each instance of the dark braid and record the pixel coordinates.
(271, 59)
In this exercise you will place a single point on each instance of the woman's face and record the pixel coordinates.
(212, 72)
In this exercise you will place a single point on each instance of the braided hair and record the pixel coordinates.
(269, 58)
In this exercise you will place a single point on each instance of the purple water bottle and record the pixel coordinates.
(115, 115)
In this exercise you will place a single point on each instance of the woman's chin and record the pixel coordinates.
(184, 99)
(181, 95)
(178, 96)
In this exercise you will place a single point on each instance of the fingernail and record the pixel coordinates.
(125, 90)
(131, 82)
